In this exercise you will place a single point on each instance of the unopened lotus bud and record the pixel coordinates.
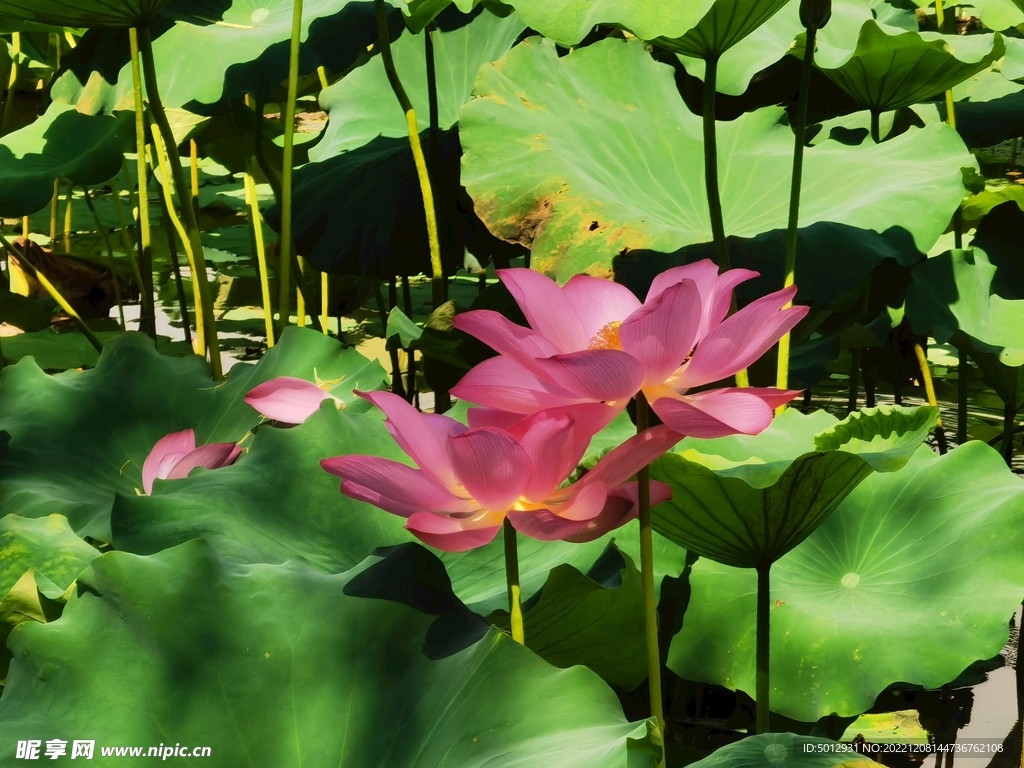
(814, 14)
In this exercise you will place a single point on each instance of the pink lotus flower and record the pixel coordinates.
(289, 400)
(592, 341)
(175, 455)
(469, 479)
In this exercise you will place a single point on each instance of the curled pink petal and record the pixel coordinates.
(715, 289)
(287, 399)
(167, 452)
(209, 456)
(547, 309)
(554, 450)
(595, 375)
(722, 412)
(448, 534)
(492, 466)
(741, 339)
(629, 458)
(599, 302)
(563, 520)
(424, 436)
(504, 384)
(661, 334)
(394, 487)
(505, 337)
(621, 506)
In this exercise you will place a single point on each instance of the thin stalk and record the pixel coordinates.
(145, 300)
(145, 241)
(284, 273)
(5, 119)
(962, 379)
(205, 307)
(300, 297)
(410, 375)
(763, 681)
(325, 302)
(647, 577)
(67, 217)
(51, 289)
(110, 255)
(929, 388)
(876, 126)
(851, 399)
(256, 220)
(1009, 415)
(179, 284)
(321, 74)
(515, 605)
(799, 139)
(1014, 149)
(193, 152)
(437, 272)
(396, 369)
(54, 210)
(711, 163)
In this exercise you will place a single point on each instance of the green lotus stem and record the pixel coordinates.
(763, 642)
(515, 605)
(67, 217)
(256, 221)
(1009, 415)
(286, 242)
(411, 368)
(5, 119)
(193, 157)
(54, 210)
(647, 577)
(876, 129)
(188, 214)
(145, 241)
(1014, 149)
(145, 299)
(110, 254)
(962, 379)
(929, 389)
(300, 297)
(851, 398)
(179, 284)
(396, 369)
(51, 289)
(711, 163)
(799, 139)
(325, 286)
(437, 272)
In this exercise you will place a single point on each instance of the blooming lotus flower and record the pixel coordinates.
(592, 341)
(289, 400)
(175, 455)
(469, 479)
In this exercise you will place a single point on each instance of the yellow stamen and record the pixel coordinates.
(607, 337)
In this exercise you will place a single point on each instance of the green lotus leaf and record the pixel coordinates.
(79, 438)
(996, 14)
(889, 71)
(45, 545)
(726, 24)
(280, 665)
(582, 156)
(784, 750)
(62, 144)
(83, 13)
(750, 514)
(419, 13)
(52, 351)
(936, 544)
(953, 292)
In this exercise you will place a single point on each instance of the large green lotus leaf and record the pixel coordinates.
(784, 750)
(46, 545)
(584, 155)
(726, 24)
(214, 53)
(279, 665)
(996, 14)
(750, 514)
(953, 292)
(54, 351)
(62, 144)
(936, 545)
(419, 13)
(78, 438)
(890, 71)
(82, 13)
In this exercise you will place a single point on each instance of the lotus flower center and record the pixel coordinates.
(607, 337)
(850, 580)
(260, 15)
(776, 753)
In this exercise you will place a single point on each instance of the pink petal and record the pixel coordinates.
(210, 456)
(287, 399)
(504, 384)
(547, 309)
(661, 334)
(563, 520)
(629, 458)
(704, 273)
(394, 487)
(596, 375)
(423, 436)
(599, 302)
(722, 412)
(167, 452)
(448, 534)
(492, 466)
(505, 337)
(554, 451)
(715, 289)
(741, 339)
(621, 506)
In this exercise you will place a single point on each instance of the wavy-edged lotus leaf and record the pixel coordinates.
(54, 351)
(78, 438)
(724, 25)
(83, 13)
(953, 292)
(364, 163)
(211, 55)
(889, 71)
(186, 643)
(419, 13)
(749, 514)
(62, 144)
(936, 544)
(784, 750)
(552, 161)
(995, 14)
